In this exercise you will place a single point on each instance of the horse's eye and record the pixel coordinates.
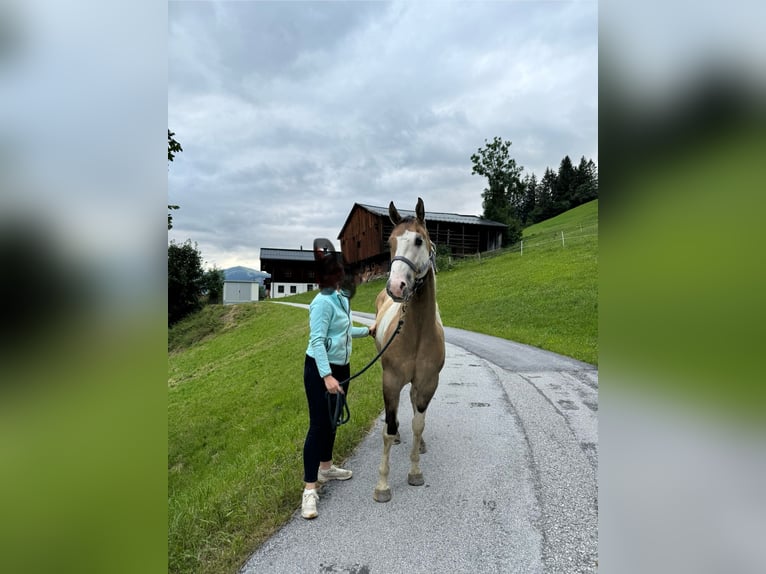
(418, 241)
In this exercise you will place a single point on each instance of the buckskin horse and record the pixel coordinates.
(416, 355)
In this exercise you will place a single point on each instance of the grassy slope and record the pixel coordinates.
(236, 424)
(236, 405)
(547, 297)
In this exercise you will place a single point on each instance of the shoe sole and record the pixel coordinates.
(326, 480)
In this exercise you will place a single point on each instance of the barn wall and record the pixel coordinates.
(362, 237)
(364, 242)
(464, 239)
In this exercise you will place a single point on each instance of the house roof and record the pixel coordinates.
(430, 216)
(287, 254)
(240, 273)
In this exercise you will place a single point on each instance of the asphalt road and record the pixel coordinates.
(510, 477)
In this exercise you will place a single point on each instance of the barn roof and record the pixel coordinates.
(430, 216)
(287, 254)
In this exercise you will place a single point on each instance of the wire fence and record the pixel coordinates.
(560, 237)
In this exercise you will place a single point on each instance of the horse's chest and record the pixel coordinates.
(387, 322)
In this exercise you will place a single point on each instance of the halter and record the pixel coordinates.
(420, 274)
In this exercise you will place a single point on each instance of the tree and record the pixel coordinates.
(586, 182)
(212, 285)
(501, 198)
(544, 206)
(529, 199)
(565, 184)
(185, 280)
(173, 148)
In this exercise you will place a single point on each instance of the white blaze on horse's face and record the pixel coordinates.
(410, 263)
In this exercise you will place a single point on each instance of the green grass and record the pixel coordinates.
(236, 425)
(237, 409)
(547, 297)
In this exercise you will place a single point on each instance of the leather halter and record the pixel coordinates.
(420, 274)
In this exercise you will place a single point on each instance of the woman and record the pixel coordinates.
(326, 370)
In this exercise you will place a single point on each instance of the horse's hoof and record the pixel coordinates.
(382, 495)
(415, 479)
(397, 439)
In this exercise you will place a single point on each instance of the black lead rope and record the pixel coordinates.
(339, 414)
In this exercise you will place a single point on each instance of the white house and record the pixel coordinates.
(242, 284)
(292, 270)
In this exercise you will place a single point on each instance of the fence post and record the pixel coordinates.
(522, 247)
(562, 239)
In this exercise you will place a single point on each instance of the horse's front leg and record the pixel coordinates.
(382, 491)
(415, 476)
(420, 402)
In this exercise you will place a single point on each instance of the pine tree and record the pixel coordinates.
(544, 204)
(586, 182)
(529, 199)
(565, 185)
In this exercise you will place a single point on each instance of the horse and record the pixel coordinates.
(416, 354)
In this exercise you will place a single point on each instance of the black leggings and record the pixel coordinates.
(320, 437)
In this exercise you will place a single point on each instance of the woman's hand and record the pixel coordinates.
(332, 385)
(373, 328)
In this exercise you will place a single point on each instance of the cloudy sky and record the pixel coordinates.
(290, 112)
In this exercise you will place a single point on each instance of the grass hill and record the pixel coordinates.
(236, 404)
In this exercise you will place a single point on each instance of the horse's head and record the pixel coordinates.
(411, 253)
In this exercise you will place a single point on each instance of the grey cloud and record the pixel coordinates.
(291, 112)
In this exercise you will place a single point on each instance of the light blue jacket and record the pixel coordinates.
(331, 330)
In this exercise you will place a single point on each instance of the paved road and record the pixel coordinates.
(510, 477)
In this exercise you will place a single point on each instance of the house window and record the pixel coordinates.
(309, 287)
(293, 289)
(280, 289)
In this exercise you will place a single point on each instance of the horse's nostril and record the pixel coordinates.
(402, 285)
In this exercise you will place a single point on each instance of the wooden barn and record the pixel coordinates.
(292, 271)
(364, 236)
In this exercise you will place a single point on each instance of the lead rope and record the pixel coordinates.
(339, 414)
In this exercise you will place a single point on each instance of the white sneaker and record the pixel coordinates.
(333, 473)
(309, 505)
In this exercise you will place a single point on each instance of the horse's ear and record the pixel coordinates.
(394, 214)
(420, 211)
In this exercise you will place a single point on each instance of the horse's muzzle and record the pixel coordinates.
(399, 298)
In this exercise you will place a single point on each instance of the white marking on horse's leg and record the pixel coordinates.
(382, 490)
(415, 477)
